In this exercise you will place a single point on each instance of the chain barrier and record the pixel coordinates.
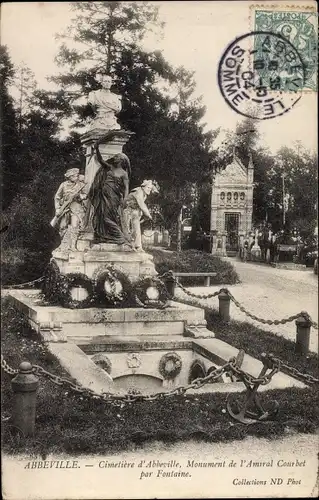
(290, 370)
(22, 285)
(170, 275)
(230, 367)
(261, 320)
(249, 411)
(191, 294)
(6, 368)
(132, 397)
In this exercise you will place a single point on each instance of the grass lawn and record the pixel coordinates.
(71, 423)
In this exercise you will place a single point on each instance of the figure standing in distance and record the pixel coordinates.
(135, 208)
(107, 104)
(70, 206)
(109, 188)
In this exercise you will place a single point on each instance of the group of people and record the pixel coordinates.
(106, 207)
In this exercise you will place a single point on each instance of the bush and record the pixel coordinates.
(20, 266)
(189, 261)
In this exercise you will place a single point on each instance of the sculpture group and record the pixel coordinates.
(114, 213)
(104, 206)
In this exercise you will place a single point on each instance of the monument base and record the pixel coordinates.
(90, 262)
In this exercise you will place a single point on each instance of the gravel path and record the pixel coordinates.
(271, 293)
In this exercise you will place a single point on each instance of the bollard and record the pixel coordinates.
(170, 285)
(224, 305)
(303, 325)
(24, 386)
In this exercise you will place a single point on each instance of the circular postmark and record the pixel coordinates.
(261, 75)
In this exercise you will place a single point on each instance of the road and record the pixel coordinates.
(274, 294)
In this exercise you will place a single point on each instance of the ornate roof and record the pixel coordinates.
(234, 173)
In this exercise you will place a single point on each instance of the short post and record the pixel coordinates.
(170, 284)
(24, 385)
(303, 324)
(224, 305)
(207, 281)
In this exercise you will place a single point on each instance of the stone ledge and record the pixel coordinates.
(199, 331)
(175, 312)
(81, 367)
(135, 344)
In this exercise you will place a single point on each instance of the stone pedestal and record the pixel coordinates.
(107, 149)
(98, 257)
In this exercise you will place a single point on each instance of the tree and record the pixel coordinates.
(300, 170)
(25, 85)
(10, 144)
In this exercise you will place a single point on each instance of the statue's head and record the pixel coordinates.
(105, 80)
(120, 160)
(72, 174)
(149, 187)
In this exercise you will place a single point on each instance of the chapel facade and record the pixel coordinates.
(232, 206)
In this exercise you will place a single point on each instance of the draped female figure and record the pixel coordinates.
(107, 192)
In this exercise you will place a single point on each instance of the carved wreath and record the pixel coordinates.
(57, 287)
(103, 362)
(170, 365)
(150, 292)
(112, 287)
(77, 280)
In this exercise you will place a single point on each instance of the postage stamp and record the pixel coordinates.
(261, 75)
(298, 25)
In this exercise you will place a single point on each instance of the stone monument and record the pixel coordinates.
(98, 233)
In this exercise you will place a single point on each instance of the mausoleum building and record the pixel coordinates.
(232, 206)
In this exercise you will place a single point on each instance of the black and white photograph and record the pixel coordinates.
(159, 250)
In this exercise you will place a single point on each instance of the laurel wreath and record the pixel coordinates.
(103, 362)
(141, 287)
(79, 280)
(170, 365)
(50, 284)
(112, 297)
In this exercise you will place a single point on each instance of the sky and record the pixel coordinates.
(195, 36)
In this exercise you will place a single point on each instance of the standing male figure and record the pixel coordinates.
(134, 208)
(69, 202)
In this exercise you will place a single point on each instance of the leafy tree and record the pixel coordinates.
(25, 85)
(10, 144)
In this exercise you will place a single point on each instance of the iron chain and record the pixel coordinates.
(6, 368)
(261, 320)
(191, 294)
(130, 397)
(27, 283)
(169, 274)
(230, 366)
(290, 370)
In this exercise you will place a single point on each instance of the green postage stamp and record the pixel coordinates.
(298, 25)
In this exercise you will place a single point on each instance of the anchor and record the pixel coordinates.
(258, 413)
